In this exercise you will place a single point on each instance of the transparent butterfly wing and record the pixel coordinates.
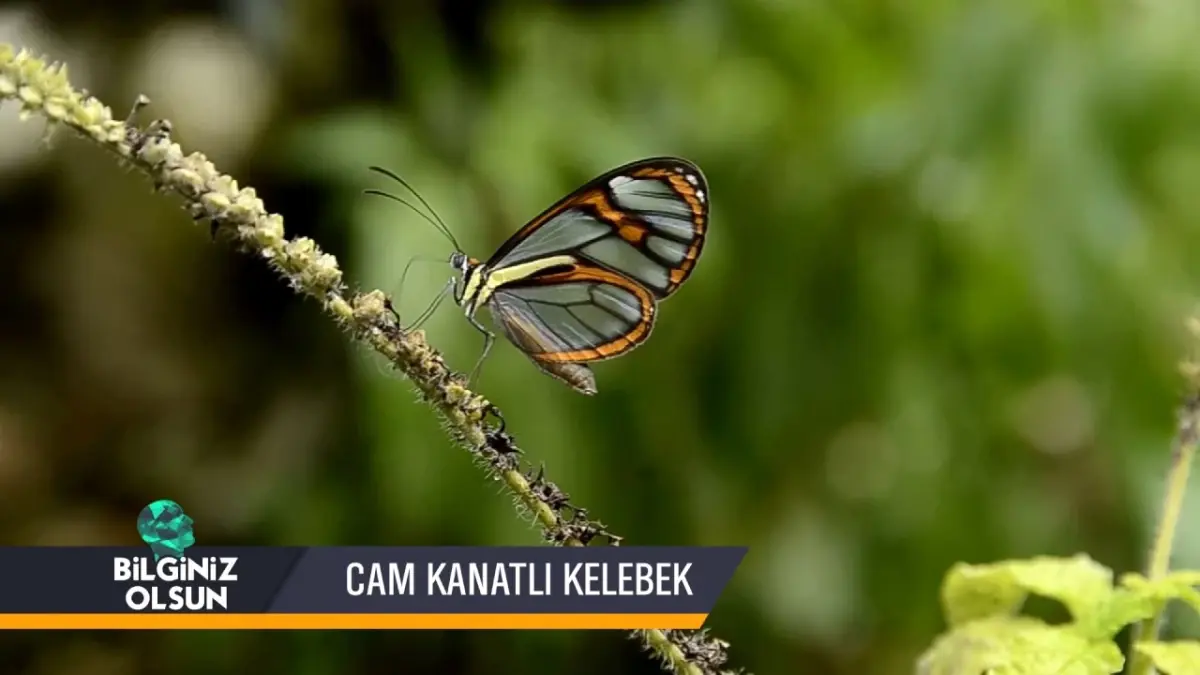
(646, 220)
(577, 315)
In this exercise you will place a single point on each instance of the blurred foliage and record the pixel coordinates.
(936, 320)
(988, 635)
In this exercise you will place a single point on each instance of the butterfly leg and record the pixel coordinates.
(488, 339)
(400, 291)
(433, 306)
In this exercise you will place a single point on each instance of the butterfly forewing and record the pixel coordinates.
(645, 220)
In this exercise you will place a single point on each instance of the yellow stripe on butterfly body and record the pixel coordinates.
(476, 293)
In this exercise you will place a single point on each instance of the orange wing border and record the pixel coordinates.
(583, 272)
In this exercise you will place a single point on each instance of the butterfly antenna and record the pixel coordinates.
(419, 212)
(440, 225)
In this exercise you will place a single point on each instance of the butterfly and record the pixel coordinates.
(581, 282)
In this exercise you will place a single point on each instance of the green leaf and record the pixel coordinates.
(1173, 658)
(972, 592)
(1123, 607)
(1018, 646)
(1180, 585)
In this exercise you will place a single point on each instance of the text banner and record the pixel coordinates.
(363, 587)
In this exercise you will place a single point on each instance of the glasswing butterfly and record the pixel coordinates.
(582, 281)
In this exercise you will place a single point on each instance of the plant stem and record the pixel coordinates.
(1183, 453)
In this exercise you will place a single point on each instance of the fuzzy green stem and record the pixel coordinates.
(674, 658)
(43, 89)
(1182, 455)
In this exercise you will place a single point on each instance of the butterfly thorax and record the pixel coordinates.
(478, 281)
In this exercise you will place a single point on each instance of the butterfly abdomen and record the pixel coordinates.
(576, 375)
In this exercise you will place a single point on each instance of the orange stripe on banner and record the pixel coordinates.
(347, 621)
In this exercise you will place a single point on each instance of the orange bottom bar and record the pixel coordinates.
(161, 621)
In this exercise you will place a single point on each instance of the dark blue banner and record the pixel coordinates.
(365, 580)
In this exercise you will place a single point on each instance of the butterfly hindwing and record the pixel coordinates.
(576, 314)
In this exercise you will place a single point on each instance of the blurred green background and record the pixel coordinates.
(937, 317)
